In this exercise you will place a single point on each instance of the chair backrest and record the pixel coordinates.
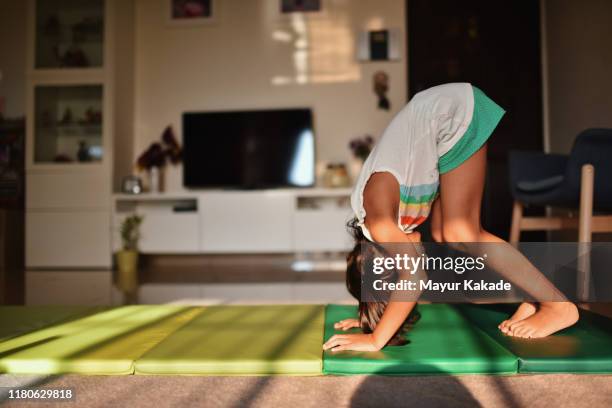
(593, 146)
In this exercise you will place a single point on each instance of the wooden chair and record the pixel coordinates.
(580, 183)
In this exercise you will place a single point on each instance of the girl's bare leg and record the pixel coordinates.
(525, 309)
(460, 201)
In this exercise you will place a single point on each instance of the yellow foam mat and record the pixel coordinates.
(242, 340)
(104, 343)
(18, 320)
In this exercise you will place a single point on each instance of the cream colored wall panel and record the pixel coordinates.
(246, 221)
(68, 190)
(68, 288)
(68, 239)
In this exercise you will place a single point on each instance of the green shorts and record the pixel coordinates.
(485, 118)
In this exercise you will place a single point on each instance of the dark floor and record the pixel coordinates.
(533, 391)
(263, 268)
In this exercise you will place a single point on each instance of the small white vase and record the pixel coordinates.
(155, 182)
(173, 178)
(355, 167)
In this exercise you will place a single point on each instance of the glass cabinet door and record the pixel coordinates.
(69, 33)
(68, 124)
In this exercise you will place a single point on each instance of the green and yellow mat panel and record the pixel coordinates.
(283, 340)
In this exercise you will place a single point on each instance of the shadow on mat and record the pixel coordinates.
(421, 391)
(486, 347)
(82, 351)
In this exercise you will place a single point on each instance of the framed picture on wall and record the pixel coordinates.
(300, 6)
(191, 12)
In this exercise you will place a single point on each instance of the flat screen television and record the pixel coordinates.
(248, 149)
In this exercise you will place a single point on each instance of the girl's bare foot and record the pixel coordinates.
(548, 319)
(525, 310)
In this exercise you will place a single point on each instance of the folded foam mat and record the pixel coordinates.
(441, 342)
(585, 347)
(244, 340)
(107, 342)
(17, 320)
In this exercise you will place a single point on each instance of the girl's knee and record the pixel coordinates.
(436, 235)
(461, 233)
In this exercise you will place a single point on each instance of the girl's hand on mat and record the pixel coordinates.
(346, 324)
(355, 342)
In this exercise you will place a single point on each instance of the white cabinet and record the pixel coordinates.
(321, 230)
(245, 221)
(69, 239)
(69, 146)
(170, 224)
(54, 190)
(217, 222)
(170, 233)
(163, 232)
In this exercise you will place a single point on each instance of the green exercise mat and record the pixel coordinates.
(442, 342)
(107, 342)
(17, 320)
(583, 348)
(242, 340)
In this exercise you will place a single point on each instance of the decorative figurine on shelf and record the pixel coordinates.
(381, 87)
(336, 176)
(155, 157)
(67, 117)
(62, 158)
(74, 57)
(92, 117)
(83, 152)
(131, 185)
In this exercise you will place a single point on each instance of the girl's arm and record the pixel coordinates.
(381, 202)
(396, 312)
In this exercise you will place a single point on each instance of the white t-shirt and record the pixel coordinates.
(410, 147)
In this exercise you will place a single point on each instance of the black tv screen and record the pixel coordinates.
(248, 149)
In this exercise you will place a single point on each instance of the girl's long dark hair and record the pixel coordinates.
(370, 313)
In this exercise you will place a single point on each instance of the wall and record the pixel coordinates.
(235, 62)
(580, 68)
(251, 56)
(13, 56)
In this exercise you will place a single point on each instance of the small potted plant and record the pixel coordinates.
(127, 257)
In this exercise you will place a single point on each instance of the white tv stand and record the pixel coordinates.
(238, 221)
